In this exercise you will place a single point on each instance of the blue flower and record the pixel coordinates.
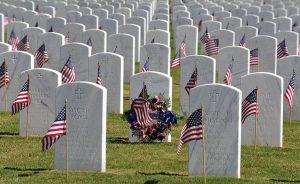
(169, 117)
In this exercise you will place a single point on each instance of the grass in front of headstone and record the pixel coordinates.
(22, 160)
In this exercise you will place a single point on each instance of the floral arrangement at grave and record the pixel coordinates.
(149, 117)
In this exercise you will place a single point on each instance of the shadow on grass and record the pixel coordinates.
(8, 133)
(151, 182)
(118, 140)
(285, 181)
(32, 171)
(161, 173)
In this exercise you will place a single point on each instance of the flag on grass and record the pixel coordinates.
(56, 131)
(23, 44)
(68, 72)
(282, 50)
(228, 76)
(41, 56)
(23, 99)
(249, 105)
(13, 40)
(146, 66)
(192, 130)
(141, 109)
(4, 77)
(289, 92)
(192, 82)
(254, 57)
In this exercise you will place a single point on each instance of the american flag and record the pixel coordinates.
(182, 48)
(144, 92)
(249, 105)
(192, 82)
(99, 80)
(13, 40)
(141, 108)
(212, 47)
(56, 131)
(23, 99)
(68, 72)
(4, 77)
(289, 92)
(242, 42)
(228, 76)
(176, 60)
(23, 44)
(282, 50)
(200, 25)
(192, 130)
(254, 57)
(89, 42)
(67, 38)
(153, 40)
(36, 24)
(146, 66)
(41, 56)
(227, 25)
(205, 37)
(51, 29)
(294, 25)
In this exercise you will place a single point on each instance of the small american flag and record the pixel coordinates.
(228, 76)
(182, 48)
(227, 25)
(146, 66)
(176, 60)
(282, 50)
(68, 72)
(24, 44)
(13, 40)
(254, 57)
(249, 105)
(115, 50)
(200, 25)
(205, 37)
(89, 42)
(56, 131)
(144, 92)
(4, 77)
(294, 25)
(51, 29)
(153, 40)
(141, 108)
(36, 24)
(192, 130)
(192, 82)
(289, 93)
(242, 42)
(23, 99)
(212, 47)
(99, 80)
(41, 56)
(67, 38)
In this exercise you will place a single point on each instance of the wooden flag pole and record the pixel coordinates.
(67, 149)
(27, 110)
(256, 118)
(203, 146)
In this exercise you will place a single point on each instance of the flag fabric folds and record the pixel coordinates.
(228, 76)
(41, 56)
(242, 42)
(141, 108)
(205, 37)
(23, 99)
(192, 130)
(254, 57)
(13, 40)
(182, 49)
(23, 44)
(249, 105)
(68, 72)
(89, 42)
(282, 50)
(176, 60)
(56, 131)
(146, 66)
(289, 92)
(144, 92)
(212, 47)
(192, 82)
(4, 77)
(99, 80)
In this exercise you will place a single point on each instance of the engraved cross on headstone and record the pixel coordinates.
(39, 76)
(78, 93)
(14, 59)
(214, 95)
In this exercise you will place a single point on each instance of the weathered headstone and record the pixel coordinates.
(90, 21)
(73, 32)
(110, 26)
(158, 36)
(187, 35)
